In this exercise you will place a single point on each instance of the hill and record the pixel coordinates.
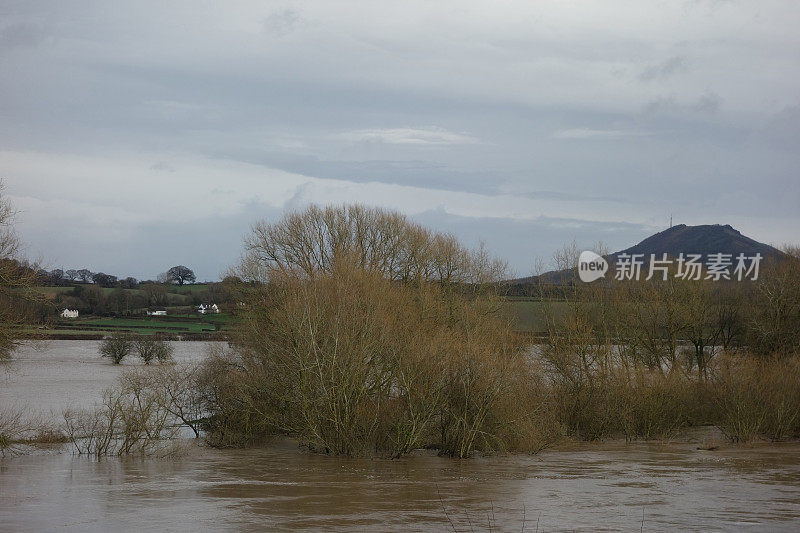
(702, 239)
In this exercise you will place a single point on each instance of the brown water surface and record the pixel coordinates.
(587, 487)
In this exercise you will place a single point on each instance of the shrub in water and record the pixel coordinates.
(116, 347)
(151, 348)
(368, 334)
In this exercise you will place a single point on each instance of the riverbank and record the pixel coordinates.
(176, 327)
(52, 335)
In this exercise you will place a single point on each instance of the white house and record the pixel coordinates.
(157, 311)
(203, 309)
(69, 313)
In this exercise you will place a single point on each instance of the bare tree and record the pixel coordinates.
(774, 322)
(317, 239)
(155, 293)
(701, 313)
(16, 277)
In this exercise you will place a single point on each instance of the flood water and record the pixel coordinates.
(50, 376)
(586, 487)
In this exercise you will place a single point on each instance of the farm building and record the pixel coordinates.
(203, 309)
(157, 311)
(69, 313)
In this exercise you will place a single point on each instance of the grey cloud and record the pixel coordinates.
(208, 246)
(21, 35)
(546, 104)
(281, 22)
(419, 173)
(416, 136)
(162, 166)
(664, 69)
(523, 242)
(588, 133)
(576, 197)
(707, 103)
(782, 129)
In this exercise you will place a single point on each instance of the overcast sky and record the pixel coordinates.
(139, 135)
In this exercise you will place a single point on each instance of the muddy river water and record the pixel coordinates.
(585, 487)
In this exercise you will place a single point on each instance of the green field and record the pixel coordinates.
(185, 289)
(530, 315)
(149, 325)
(52, 292)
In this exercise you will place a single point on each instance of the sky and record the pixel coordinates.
(135, 136)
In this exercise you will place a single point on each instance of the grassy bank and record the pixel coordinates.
(193, 325)
(529, 316)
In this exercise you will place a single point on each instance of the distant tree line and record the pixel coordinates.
(177, 275)
(89, 292)
(93, 299)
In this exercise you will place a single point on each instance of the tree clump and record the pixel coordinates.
(153, 349)
(117, 347)
(16, 278)
(366, 333)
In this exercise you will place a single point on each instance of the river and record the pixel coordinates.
(610, 486)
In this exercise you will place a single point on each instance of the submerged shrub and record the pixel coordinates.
(367, 334)
(631, 401)
(138, 415)
(602, 390)
(153, 348)
(12, 427)
(773, 325)
(655, 406)
(116, 347)
(758, 398)
(6, 346)
(352, 363)
(19, 429)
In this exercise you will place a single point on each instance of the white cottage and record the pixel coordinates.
(203, 309)
(69, 313)
(157, 311)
